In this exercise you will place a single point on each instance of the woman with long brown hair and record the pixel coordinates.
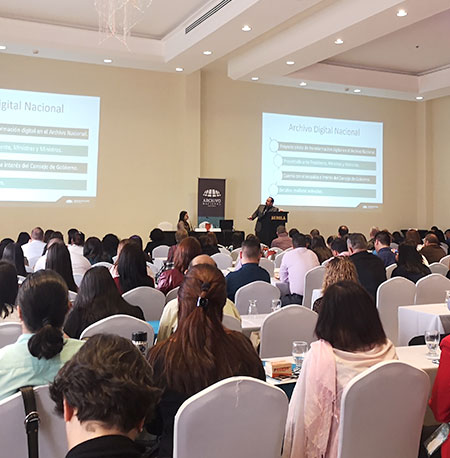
(201, 351)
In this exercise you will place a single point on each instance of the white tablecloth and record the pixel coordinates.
(252, 323)
(414, 320)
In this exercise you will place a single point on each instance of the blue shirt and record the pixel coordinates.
(248, 273)
(387, 256)
(18, 367)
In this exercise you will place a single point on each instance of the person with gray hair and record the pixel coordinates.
(431, 249)
(283, 241)
(370, 268)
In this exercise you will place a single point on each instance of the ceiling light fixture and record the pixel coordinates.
(302, 84)
(255, 78)
(2, 47)
(290, 62)
(179, 69)
(419, 97)
(207, 53)
(356, 91)
(339, 41)
(246, 28)
(107, 61)
(402, 13)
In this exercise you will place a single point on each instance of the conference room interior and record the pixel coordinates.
(161, 129)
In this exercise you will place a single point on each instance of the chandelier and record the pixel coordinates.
(116, 18)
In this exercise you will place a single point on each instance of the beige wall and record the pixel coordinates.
(160, 131)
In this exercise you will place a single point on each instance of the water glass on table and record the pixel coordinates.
(432, 342)
(252, 307)
(299, 349)
(276, 304)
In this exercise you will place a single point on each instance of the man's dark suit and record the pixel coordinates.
(370, 269)
(261, 211)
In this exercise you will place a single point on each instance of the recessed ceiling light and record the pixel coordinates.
(290, 62)
(419, 97)
(207, 53)
(302, 83)
(401, 13)
(107, 61)
(179, 69)
(2, 47)
(339, 41)
(246, 28)
(255, 78)
(356, 91)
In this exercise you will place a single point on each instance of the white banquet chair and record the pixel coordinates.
(121, 325)
(232, 323)
(431, 289)
(268, 265)
(161, 251)
(52, 430)
(438, 268)
(9, 333)
(382, 412)
(445, 260)
(238, 417)
(172, 294)
(279, 258)
(282, 327)
(223, 260)
(150, 300)
(78, 278)
(235, 253)
(108, 265)
(261, 291)
(165, 226)
(313, 280)
(392, 294)
(389, 270)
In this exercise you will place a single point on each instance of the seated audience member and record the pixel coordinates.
(138, 240)
(292, 232)
(22, 238)
(8, 292)
(3, 244)
(431, 249)
(209, 244)
(132, 268)
(105, 393)
(413, 236)
(236, 240)
(314, 233)
(157, 238)
(41, 350)
(201, 352)
(343, 231)
(34, 249)
(330, 240)
(439, 234)
(48, 235)
(110, 242)
(352, 340)
(370, 268)
(322, 251)
(294, 265)
(339, 247)
(283, 241)
(169, 318)
(75, 242)
(338, 269)
(410, 263)
(58, 259)
(13, 254)
(397, 237)
(183, 222)
(179, 236)
(98, 298)
(93, 250)
(382, 246)
(371, 243)
(187, 250)
(250, 270)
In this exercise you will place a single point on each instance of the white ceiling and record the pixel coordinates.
(379, 54)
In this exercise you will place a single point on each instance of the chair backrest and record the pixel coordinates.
(268, 265)
(438, 268)
(445, 260)
(279, 258)
(108, 265)
(72, 296)
(121, 325)
(261, 291)
(382, 412)
(392, 294)
(239, 417)
(150, 300)
(231, 323)
(222, 249)
(235, 253)
(165, 226)
(20, 279)
(172, 294)
(389, 270)
(444, 246)
(9, 333)
(161, 251)
(154, 268)
(282, 327)
(313, 280)
(78, 278)
(52, 431)
(431, 289)
(223, 260)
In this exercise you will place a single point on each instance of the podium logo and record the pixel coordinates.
(212, 198)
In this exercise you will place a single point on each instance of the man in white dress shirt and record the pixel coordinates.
(34, 248)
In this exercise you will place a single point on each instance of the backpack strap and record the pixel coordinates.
(31, 421)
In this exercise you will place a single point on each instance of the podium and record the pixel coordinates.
(269, 223)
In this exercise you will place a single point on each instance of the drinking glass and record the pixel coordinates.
(299, 349)
(276, 304)
(447, 299)
(432, 341)
(252, 307)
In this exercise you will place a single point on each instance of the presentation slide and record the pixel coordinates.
(320, 162)
(48, 147)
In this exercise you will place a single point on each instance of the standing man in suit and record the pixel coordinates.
(259, 214)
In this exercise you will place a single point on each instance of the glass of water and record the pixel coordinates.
(299, 349)
(252, 307)
(432, 341)
(276, 304)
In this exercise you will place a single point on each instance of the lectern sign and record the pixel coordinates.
(211, 197)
